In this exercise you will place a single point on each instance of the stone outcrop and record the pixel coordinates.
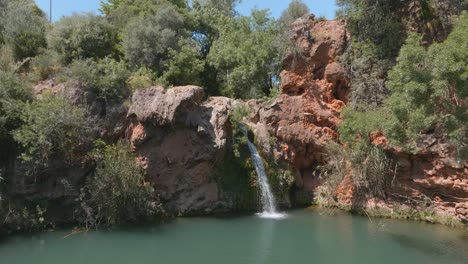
(433, 175)
(305, 117)
(180, 141)
(314, 90)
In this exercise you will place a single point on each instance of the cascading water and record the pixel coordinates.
(267, 198)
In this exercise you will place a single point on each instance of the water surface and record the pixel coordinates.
(304, 236)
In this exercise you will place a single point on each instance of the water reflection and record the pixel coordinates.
(265, 241)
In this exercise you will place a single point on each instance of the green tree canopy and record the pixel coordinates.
(82, 36)
(148, 39)
(23, 25)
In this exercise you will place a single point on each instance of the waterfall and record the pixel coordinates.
(267, 198)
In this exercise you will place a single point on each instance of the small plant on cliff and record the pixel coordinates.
(236, 116)
(117, 192)
(368, 166)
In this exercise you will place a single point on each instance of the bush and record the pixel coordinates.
(429, 87)
(107, 77)
(147, 40)
(84, 71)
(141, 79)
(368, 166)
(53, 129)
(45, 65)
(82, 36)
(24, 28)
(7, 59)
(117, 193)
(185, 65)
(14, 93)
(359, 123)
(112, 81)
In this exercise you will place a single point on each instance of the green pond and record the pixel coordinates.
(303, 236)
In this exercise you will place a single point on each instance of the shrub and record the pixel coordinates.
(141, 79)
(368, 166)
(82, 36)
(53, 128)
(112, 81)
(14, 93)
(45, 65)
(147, 40)
(7, 59)
(107, 77)
(359, 123)
(236, 117)
(184, 65)
(429, 87)
(24, 28)
(117, 192)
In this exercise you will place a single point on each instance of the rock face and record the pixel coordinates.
(434, 175)
(305, 116)
(180, 141)
(314, 90)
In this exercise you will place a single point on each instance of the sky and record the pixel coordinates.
(67, 7)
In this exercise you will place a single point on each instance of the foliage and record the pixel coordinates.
(368, 166)
(24, 26)
(14, 93)
(53, 128)
(107, 77)
(46, 65)
(236, 117)
(141, 79)
(377, 38)
(148, 39)
(7, 59)
(184, 66)
(84, 71)
(82, 36)
(112, 81)
(117, 193)
(359, 123)
(295, 10)
(244, 59)
(429, 86)
(121, 12)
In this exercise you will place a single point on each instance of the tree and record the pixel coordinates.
(295, 10)
(226, 7)
(429, 87)
(184, 66)
(82, 36)
(121, 12)
(148, 39)
(24, 28)
(244, 56)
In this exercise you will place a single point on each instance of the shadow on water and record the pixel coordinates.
(422, 245)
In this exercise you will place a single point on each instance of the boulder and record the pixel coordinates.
(180, 142)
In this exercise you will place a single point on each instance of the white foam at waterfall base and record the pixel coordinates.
(267, 198)
(268, 215)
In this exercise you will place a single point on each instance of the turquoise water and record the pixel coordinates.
(304, 236)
